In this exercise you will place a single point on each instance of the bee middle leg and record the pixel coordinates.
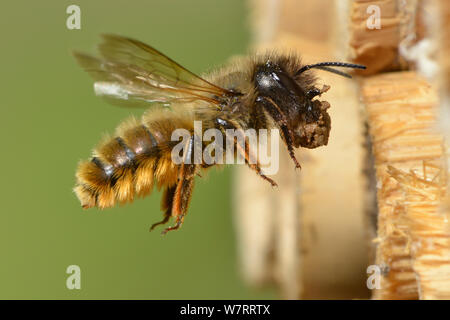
(244, 151)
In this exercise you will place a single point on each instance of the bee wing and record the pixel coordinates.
(131, 73)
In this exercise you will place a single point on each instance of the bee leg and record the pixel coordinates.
(245, 152)
(290, 145)
(182, 195)
(183, 190)
(163, 221)
(166, 206)
(280, 118)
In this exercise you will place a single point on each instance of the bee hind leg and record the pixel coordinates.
(166, 206)
(182, 195)
(176, 198)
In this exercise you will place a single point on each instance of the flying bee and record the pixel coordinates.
(260, 92)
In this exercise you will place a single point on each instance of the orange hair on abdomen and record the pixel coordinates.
(132, 162)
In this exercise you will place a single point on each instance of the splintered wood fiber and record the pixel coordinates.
(410, 163)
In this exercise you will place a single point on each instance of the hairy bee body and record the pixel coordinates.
(258, 92)
(138, 157)
(132, 162)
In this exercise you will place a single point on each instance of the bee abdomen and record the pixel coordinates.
(125, 166)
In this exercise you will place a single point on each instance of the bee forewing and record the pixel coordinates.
(133, 52)
(133, 73)
(112, 90)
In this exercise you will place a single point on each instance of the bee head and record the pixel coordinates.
(290, 100)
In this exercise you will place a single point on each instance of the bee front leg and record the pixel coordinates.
(280, 119)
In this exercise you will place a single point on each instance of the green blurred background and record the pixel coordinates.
(52, 119)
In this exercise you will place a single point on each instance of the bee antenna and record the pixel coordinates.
(324, 66)
(341, 73)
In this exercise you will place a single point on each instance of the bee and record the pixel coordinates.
(261, 92)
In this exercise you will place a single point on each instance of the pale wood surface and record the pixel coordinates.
(411, 180)
(315, 235)
(308, 235)
(378, 48)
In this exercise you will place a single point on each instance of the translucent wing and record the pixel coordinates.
(133, 74)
